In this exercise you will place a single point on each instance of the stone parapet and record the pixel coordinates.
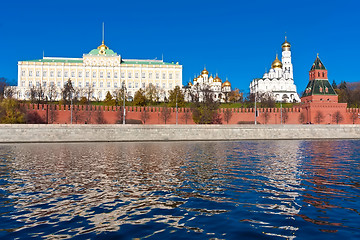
(33, 133)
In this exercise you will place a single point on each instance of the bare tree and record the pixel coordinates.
(319, 117)
(88, 114)
(266, 116)
(99, 117)
(88, 93)
(285, 116)
(227, 115)
(354, 117)
(9, 92)
(187, 115)
(338, 117)
(52, 92)
(77, 114)
(145, 115)
(165, 113)
(302, 118)
(53, 113)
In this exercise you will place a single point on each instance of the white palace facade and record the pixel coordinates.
(279, 81)
(101, 69)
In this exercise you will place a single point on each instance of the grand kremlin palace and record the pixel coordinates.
(101, 69)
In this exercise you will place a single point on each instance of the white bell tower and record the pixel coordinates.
(286, 59)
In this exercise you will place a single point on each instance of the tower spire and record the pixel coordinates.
(103, 33)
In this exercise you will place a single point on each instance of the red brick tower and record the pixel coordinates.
(319, 98)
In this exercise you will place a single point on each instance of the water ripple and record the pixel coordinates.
(180, 190)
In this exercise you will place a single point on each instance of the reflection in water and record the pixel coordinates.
(225, 190)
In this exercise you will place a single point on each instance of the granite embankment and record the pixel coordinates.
(14, 133)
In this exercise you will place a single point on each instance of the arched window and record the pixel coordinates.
(323, 74)
(318, 74)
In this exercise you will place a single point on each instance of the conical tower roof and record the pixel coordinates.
(318, 86)
(317, 65)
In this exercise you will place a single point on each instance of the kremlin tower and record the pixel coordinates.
(319, 97)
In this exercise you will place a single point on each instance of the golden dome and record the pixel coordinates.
(226, 84)
(102, 46)
(204, 71)
(276, 63)
(199, 76)
(195, 79)
(286, 45)
(217, 79)
(190, 84)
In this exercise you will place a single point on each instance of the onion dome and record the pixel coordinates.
(199, 76)
(217, 79)
(276, 63)
(204, 71)
(190, 84)
(102, 50)
(226, 84)
(195, 79)
(286, 45)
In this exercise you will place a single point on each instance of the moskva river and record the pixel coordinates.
(181, 190)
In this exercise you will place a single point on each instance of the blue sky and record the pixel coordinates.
(236, 39)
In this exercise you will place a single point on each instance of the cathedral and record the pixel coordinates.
(279, 81)
(219, 90)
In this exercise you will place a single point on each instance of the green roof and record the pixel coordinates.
(56, 60)
(318, 87)
(317, 65)
(108, 52)
(146, 62)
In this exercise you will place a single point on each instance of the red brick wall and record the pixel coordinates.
(239, 115)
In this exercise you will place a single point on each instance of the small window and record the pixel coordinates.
(108, 75)
(94, 84)
(115, 84)
(44, 84)
(38, 84)
(87, 84)
(58, 84)
(177, 75)
(108, 84)
(164, 76)
(30, 73)
(87, 74)
(94, 74)
(143, 75)
(129, 75)
(163, 85)
(101, 74)
(22, 83)
(80, 84)
(59, 74)
(143, 85)
(30, 84)
(122, 75)
(51, 73)
(150, 75)
(38, 73)
(52, 84)
(136, 75)
(73, 74)
(115, 74)
(170, 76)
(157, 75)
(129, 85)
(136, 85)
(101, 83)
(23, 73)
(170, 85)
(65, 74)
(44, 73)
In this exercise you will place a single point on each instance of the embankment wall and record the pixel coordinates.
(14, 133)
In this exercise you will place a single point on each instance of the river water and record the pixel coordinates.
(181, 190)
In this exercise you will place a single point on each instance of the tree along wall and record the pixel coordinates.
(61, 114)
